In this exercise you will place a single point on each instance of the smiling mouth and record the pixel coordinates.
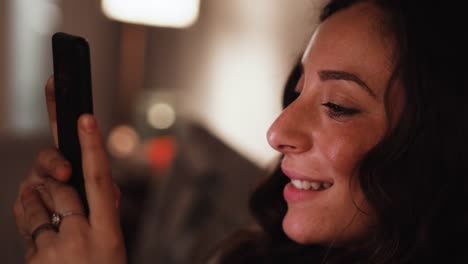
(310, 185)
(302, 182)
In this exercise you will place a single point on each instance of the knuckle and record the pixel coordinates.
(100, 173)
(28, 200)
(99, 179)
(35, 218)
(24, 185)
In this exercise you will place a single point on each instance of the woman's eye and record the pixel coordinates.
(335, 110)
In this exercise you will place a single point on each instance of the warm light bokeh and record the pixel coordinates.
(174, 13)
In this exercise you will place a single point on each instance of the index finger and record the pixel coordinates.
(51, 110)
(97, 176)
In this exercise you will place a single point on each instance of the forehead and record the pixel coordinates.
(352, 40)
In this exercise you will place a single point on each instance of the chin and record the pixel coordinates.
(310, 229)
(301, 230)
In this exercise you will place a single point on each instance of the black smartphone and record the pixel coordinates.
(73, 95)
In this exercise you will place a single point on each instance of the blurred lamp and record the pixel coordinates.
(163, 13)
(161, 115)
(123, 141)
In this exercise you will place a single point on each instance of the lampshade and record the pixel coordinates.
(162, 13)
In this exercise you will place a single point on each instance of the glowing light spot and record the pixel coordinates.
(161, 151)
(161, 116)
(165, 13)
(123, 141)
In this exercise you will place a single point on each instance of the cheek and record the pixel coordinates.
(344, 148)
(344, 154)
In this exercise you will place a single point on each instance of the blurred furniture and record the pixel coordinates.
(201, 200)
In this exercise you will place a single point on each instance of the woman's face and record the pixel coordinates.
(337, 118)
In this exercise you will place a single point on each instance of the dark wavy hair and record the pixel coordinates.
(415, 179)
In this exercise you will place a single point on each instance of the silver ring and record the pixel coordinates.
(41, 228)
(56, 218)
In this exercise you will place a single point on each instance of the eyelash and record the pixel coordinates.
(337, 111)
(333, 110)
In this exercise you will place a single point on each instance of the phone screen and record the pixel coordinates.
(73, 95)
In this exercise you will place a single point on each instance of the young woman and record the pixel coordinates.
(372, 137)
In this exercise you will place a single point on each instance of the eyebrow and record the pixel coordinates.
(327, 75)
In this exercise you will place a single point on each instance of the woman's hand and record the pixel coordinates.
(78, 239)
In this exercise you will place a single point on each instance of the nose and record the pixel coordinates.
(289, 134)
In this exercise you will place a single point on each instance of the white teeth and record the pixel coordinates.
(297, 183)
(307, 185)
(315, 185)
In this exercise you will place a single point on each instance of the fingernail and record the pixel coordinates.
(88, 122)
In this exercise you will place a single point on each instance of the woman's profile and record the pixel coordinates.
(372, 138)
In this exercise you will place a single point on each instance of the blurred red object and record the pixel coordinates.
(160, 152)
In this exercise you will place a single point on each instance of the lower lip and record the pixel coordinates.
(293, 195)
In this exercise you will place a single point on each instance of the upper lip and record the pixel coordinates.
(298, 176)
